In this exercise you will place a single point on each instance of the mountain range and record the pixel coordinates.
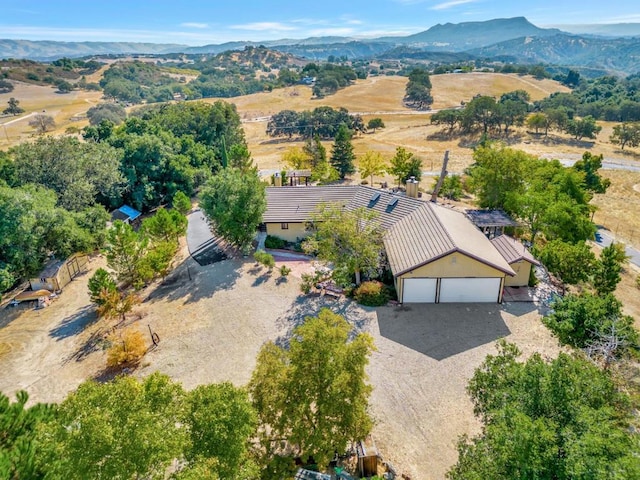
(509, 39)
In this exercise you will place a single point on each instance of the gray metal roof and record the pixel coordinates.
(512, 250)
(417, 232)
(297, 204)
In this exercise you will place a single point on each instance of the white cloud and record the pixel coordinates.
(264, 26)
(451, 4)
(194, 25)
(331, 32)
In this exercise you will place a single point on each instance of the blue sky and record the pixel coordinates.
(217, 21)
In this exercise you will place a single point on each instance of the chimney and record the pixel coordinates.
(277, 179)
(412, 187)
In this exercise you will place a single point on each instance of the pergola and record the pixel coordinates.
(491, 222)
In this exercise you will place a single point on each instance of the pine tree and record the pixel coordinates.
(342, 156)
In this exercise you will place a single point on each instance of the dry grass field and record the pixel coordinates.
(419, 400)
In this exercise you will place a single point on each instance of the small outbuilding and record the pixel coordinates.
(518, 257)
(127, 214)
(59, 273)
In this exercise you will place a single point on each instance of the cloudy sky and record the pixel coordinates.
(217, 21)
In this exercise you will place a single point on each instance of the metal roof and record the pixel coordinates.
(130, 212)
(434, 231)
(491, 218)
(297, 204)
(417, 232)
(512, 250)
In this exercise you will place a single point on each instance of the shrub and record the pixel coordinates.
(265, 259)
(100, 281)
(126, 349)
(284, 271)
(307, 283)
(371, 294)
(638, 281)
(274, 242)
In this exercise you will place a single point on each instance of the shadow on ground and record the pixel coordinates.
(209, 253)
(310, 305)
(191, 282)
(443, 330)
(74, 324)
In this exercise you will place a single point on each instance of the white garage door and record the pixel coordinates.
(419, 290)
(467, 290)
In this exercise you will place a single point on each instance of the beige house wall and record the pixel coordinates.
(293, 233)
(522, 269)
(454, 265)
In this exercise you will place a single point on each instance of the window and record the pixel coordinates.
(284, 226)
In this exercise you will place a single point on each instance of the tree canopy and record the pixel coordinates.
(315, 393)
(235, 201)
(562, 419)
(350, 239)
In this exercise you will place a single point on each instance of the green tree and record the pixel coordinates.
(583, 128)
(607, 269)
(350, 239)
(372, 163)
(623, 135)
(571, 262)
(451, 187)
(449, 117)
(18, 448)
(80, 173)
(296, 158)
(579, 319)
(181, 203)
(496, 173)
(342, 156)
(404, 165)
(99, 282)
(13, 108)
(165, 225)
(235, 201)
(539, 121)
(558, 420)
(589, 166)
(375, 123)
(221, 421)
(314, 394)
(125, 250)
(123, 429)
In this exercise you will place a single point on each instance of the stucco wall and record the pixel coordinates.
(521, 279)
(455, 265)
(293, 233)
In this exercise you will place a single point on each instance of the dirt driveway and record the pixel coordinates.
(212, 321)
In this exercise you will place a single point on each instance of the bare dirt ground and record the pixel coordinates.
(212, 321)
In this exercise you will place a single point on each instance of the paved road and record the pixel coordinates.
(604, 238)
(203, 246)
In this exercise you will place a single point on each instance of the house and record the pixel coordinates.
(127, 214)
(436, 254)
(58, 273)
(518, 258)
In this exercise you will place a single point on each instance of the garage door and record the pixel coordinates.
(419, 290)
(466, 290)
